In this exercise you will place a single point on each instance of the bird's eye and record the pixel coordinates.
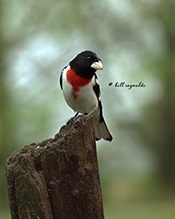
(89, 58)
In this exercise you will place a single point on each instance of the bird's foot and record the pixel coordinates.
(89, 114)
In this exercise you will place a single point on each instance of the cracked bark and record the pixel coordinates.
(57, 178)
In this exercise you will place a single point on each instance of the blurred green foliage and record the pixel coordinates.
(136, 42)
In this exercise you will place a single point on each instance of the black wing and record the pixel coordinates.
(61, 80)
(96, 88)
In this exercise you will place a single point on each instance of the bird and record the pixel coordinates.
(81, 90)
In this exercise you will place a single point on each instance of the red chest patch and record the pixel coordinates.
(76, 81)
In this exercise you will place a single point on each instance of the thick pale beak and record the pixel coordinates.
(97, 65)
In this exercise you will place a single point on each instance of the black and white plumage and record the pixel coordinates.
(81, 90)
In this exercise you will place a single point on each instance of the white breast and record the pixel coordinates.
(86, 99)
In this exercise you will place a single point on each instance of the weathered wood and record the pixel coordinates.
(57, 178)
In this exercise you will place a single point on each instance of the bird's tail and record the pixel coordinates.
(101, 130)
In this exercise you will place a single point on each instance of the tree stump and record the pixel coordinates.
(57, 178)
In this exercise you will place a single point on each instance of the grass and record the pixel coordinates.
(155, 210)
(5, 214)
(145, 210)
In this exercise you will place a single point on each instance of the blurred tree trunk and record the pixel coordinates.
(4, 108)
(161, 137)
(167, 104)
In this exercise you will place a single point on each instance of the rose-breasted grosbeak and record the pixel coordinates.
(82, 92)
